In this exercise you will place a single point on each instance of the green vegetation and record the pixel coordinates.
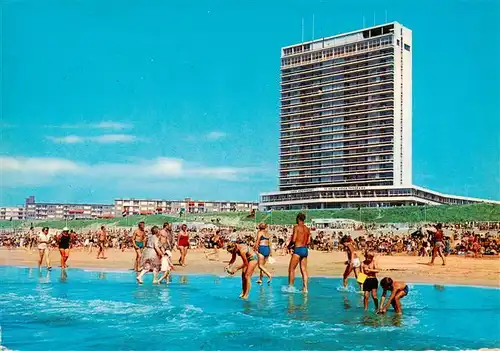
(444, 214)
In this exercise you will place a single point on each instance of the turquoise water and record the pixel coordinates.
(90, 310)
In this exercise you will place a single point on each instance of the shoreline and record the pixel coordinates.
(297, 277)
(459, 271)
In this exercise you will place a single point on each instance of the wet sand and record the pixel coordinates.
(412, 269)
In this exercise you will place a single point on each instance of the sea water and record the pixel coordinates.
(97, 310)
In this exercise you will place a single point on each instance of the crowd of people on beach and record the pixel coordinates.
(153, 250)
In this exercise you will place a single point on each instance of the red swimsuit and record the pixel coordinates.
(183, 240)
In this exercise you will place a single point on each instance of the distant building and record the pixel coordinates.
(14, 213)
(48, 210)
(125, 207)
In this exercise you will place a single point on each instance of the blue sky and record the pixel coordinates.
(174, 99)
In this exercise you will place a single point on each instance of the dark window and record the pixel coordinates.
(407, 47)
(398, 42)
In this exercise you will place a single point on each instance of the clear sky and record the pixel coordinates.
(174, 99)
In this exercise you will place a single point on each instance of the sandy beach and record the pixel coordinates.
(459, 270)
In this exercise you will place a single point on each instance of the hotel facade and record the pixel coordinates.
(346, 124)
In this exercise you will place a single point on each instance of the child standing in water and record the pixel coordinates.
(250, 261)
(370, 285)
(398, 290)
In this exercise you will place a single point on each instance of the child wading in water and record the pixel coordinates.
(398, 290)
(370, 269)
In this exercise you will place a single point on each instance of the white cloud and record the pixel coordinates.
(37, 166)
(113, 138)
(110, 125)
(41, 170)
(101, 139)
(215, 135)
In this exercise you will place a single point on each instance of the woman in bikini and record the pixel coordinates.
(183, 244)
(263, 247)
(250, 261)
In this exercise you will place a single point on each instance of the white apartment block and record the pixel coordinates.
(346, 123)
(155, 206)
(14, 213)
(46, 210)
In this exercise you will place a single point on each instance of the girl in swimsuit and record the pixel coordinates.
(183, 244)
(250, 261)
(263, 247)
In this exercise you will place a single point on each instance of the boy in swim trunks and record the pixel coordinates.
(300, 240)
(369, 267)
(398, 290)
(353, 263)
(138, 242)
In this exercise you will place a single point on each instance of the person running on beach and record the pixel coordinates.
(250, 262)
(438, 240)
(370, 269)
(102, 239)
(150, 259)
(301, 238)
(43, 248)
(353, 263)
(398, 290)
(216, 243)
(64, 240)
(263, 247)
(138, 243)
(183, 244)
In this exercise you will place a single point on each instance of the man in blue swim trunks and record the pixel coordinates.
(300, 240)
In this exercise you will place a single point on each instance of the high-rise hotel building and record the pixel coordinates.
(346, 123)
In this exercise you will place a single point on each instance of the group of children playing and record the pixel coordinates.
(368, 282)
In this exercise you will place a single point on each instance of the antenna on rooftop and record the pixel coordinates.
(374, 19)
(313, 28)
(363, 21)
(385, 16)
(302, 29)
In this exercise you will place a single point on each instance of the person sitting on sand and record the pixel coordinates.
(250, 261)
(263, 247)
(353, 263)
(398, 290)
(138, 243)
(370, 269)
(301, 238)
(151, 255)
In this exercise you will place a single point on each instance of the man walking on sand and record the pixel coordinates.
(300, 240)
(102, 240)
